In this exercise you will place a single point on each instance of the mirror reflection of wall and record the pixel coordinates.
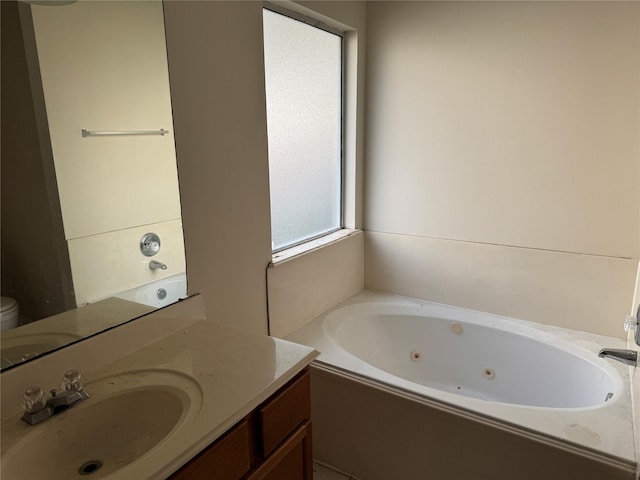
(35, 261)
(74, 208)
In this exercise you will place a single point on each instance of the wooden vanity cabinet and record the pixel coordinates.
(273, 442)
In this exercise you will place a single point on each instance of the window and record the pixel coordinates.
(303, 75)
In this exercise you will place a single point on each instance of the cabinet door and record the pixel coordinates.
(227, 459)
(285, 412)
(291, 461)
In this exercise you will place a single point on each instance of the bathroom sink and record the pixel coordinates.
(16, 348)
(125, 417)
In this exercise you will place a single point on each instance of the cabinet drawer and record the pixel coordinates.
(227, 459)
(284, 413)
(292, 460)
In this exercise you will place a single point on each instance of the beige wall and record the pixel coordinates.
(303, 287)
(582, 292)
(351, 18)
(108, 72)
(104, 67)
(110, 263)
(35, 261)
(216, 69)
(510, 134)
(503, 156)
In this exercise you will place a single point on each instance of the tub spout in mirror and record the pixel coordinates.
(155, 265)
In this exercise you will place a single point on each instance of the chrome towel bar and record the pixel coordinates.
(100, 133)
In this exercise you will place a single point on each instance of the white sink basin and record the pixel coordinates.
(16, 348)
(125, 418)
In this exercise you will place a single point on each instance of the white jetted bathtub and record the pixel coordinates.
(160, 293)
(521, 386)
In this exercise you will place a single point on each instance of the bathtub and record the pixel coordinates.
(159, 293)
(446, 392)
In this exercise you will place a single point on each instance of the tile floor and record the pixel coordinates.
(323, 473)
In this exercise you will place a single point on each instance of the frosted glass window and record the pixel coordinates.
(303, 74)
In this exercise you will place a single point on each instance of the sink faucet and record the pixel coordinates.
(629, 357)
(38, 409)
(155, 265)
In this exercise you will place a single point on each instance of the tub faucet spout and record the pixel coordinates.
(155, 265)
(630, 357)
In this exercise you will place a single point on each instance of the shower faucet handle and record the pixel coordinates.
(630, 323)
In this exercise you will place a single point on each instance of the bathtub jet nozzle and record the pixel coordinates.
(630, 357)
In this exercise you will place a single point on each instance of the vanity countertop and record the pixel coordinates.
(229, 371)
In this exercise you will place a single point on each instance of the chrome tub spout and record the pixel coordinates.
(155, 265)
(630, 357)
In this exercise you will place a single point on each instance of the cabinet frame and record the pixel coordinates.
(273, 442)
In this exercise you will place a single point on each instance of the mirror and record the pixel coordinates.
(88, 168)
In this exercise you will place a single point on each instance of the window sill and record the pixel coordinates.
(310, 246)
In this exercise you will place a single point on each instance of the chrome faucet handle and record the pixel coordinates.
(38, 408)
(34, 399)
(630, 323)
(633, 323)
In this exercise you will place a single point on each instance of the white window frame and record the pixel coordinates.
(316, 241)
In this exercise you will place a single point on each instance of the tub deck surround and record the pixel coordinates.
(231, 372)
(602, 430)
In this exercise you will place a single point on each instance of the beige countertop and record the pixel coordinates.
(225, 372)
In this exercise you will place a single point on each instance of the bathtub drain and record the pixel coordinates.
(489, 373)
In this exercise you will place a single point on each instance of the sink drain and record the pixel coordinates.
(92, 466)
